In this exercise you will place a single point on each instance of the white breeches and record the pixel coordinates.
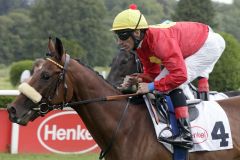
(201, 63)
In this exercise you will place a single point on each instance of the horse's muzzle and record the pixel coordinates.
(13, 116)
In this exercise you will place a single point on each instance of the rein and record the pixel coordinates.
(114, 135)
(107, 98)
(64, 104)
(44, 107)
(44, 103)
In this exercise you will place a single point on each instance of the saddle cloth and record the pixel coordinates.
(210, 130)
(217, 96)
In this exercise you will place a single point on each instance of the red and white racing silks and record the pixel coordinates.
(169, 46)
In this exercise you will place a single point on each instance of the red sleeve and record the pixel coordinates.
(169, 52)
(150, 70)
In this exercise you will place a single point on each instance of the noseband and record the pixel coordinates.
(44, 105)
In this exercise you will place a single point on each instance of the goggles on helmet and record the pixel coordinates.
(124, 34)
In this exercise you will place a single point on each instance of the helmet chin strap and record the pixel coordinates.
(136, 40)
(136, 43)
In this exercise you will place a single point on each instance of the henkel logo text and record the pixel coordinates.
(61, 134)
(199, 134)
(64, 132)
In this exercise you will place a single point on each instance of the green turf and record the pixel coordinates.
(6, 156)
(4, 78)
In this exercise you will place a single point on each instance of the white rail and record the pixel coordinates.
(9, 92)
(15, 127)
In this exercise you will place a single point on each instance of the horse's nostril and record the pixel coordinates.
(11, 109)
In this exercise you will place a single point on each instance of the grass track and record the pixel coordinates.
(4, 78)
(7, 156)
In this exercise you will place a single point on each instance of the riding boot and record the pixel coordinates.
(184, 138)
(203, 88)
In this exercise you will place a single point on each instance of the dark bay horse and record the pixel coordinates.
(124, 63)
(62, 80)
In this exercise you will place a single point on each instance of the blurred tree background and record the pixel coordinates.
(84, 26)
(197, 10)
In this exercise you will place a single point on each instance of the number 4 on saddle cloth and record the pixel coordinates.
(210, 131)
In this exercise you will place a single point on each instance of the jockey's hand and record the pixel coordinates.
(137, 77)
(143, 88)
(129, 85)
(129, 81)
(143, 77)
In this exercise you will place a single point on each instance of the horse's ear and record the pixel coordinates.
(59, 48)
(51, 47)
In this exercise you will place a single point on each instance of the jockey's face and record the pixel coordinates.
(127, 44)
(125, 39)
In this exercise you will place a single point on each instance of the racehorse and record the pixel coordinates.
(121, 128)
(126, 64)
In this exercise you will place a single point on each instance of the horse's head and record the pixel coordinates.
(49, 88)
(124, 63)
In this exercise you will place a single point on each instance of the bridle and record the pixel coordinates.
(44, 105)
(137, 61)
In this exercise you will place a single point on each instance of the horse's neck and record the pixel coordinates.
(103, 118)
(89, 85)
(100, 118)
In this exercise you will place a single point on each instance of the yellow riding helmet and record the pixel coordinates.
(129, 19)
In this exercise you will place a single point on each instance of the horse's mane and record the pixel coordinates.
(87, 66)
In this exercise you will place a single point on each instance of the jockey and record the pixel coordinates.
(187, 50)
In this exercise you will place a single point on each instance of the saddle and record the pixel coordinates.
(161, 111)
(159, 104)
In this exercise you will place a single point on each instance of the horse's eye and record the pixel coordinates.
(124, 61)
(45, 76)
